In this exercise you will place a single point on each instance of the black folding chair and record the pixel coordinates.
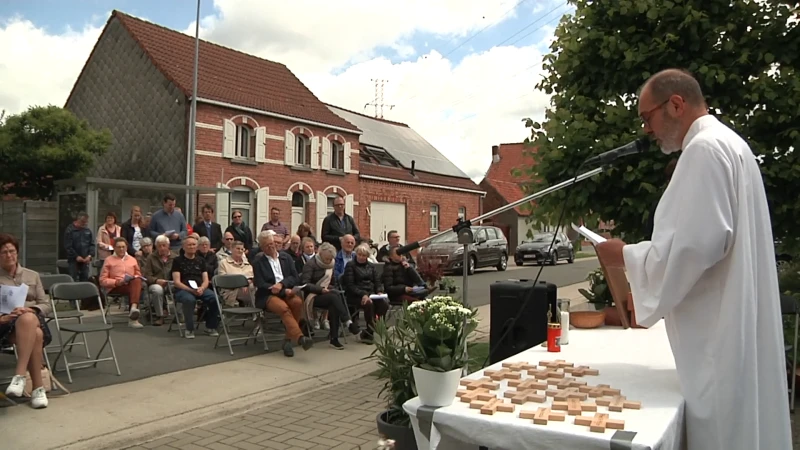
(76, 292)
(227, 314)
(48, 281)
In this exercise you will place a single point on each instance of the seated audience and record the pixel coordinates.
(394, 241)
(190, 278)
(400, 278)
(275, 279)
(158, 273)
(237, 264)
(25, 327)
(304, 231)
(121, 275)
(293, 250)
(360, 280)
(227, 246)
(345, 255)
(317, 277)
(205, 251)
(145, 250)
(241, 232)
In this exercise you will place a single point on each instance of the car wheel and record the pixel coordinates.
(519, 263)
(472, 264)
(503, 264)
(571, 258)
(553, 258)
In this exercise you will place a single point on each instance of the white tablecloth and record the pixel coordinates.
(639, 362)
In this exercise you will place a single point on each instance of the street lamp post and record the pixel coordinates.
(190, 160)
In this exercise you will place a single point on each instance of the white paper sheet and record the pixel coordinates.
(593, 237)
(379, 297)
(12, 297)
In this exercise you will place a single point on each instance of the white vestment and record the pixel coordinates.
(710, 271)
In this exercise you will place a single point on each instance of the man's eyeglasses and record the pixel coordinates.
(645, 116)
(11, 252)
(228, 239)
(237, 217)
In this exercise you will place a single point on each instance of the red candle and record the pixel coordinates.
(554, 337)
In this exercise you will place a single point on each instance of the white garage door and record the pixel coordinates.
(385, 217)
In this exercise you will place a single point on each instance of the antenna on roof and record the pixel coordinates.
(377, 102)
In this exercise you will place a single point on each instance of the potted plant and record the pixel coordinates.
(448, 284)
(600, 296)
(431, 271)
(395, 369)
(440, 327)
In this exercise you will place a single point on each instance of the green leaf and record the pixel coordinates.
(768, 58)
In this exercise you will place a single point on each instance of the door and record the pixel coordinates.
(385, 217)
(298, 210)
(484, 249)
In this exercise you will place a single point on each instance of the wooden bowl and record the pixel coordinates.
(587, 319)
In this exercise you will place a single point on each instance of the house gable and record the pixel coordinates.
(501, 175)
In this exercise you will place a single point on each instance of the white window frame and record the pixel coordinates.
(434, 217)
(462, 212)
(337, 149)
(242, 147)
(301, 150)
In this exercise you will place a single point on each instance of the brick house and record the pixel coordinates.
(260, 131)
(406, 184)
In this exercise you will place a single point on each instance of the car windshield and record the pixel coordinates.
(541, 238)
(449, 238)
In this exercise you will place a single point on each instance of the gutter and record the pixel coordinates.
(449, 188)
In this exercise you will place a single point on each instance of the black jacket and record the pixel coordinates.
(264, 278)
(244, 235)
(359, 279)
(333, 229)
(127, 233)
(78, 242)
(395, 279)
(216, 233)
(312, 273)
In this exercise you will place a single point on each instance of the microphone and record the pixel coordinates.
(638, 146)
(408, 248)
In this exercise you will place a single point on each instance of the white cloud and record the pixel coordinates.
(462, 108)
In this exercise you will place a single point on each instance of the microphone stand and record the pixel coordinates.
(463, 228)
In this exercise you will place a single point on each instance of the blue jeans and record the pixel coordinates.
(78, 271)
(188, 300)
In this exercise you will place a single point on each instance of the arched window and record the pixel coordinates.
(302, 150)
(337, 156)
(245, 142)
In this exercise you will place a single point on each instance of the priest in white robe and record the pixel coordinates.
(709, 270)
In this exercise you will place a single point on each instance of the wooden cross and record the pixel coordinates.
(519, 366)
(468, 396)
(545, 374)
(492, 406)
(542, 415)
(565, 383)
(601, 390)
(581, 371)
(502, 374)
(574, 407)
(557, 364)
(564, 394)
(522, 396)
(528, 383)
(617, 402)
(480, 383)
(600, 422)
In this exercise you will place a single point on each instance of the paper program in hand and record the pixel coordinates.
(12, 297)
(593, 237)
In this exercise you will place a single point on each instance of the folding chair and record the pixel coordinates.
(235, 282)
(789, 307)
(48, 281)
(177, 309)
(74, 292)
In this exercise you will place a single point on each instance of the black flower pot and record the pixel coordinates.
(452, 290)
(441, 287)
(403, 436)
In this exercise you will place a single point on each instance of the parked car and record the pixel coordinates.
(539, 250)
(489, 249)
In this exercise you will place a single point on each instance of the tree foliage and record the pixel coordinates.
(45, 144)
(745, 56)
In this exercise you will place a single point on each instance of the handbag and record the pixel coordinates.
(48, 381)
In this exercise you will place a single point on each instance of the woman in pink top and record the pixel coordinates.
(121, 275)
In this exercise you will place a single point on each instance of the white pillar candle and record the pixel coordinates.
(564, 327)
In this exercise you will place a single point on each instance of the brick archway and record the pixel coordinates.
(243, 181)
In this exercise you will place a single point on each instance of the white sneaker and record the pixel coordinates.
(135, 324)
(316, 324)
(38, 398)
(134, 315)
(326, 325)
(17, 386)
(189, 335)
(212, 333)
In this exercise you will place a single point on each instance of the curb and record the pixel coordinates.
(166, 426)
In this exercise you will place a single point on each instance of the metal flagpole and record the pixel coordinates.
(190, 162)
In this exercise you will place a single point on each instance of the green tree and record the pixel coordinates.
(45, 144)
(745, 55)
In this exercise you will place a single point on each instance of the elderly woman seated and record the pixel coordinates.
(360, 280)
(24, 326)
(237, 264)
(121, 275)
(317, 277)
(146, 250)
(158, 272)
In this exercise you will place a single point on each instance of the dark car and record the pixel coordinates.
(539, 250)
(489, 249)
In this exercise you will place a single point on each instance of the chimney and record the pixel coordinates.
(495, 153)
(413, 164)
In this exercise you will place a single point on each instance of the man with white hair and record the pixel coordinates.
(710, 269)
(190, 276)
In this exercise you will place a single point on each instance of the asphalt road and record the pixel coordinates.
(562, 274)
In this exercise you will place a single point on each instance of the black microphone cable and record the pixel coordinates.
(509, 324)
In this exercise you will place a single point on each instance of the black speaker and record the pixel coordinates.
(506, 299)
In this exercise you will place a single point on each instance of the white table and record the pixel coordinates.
(637, 361)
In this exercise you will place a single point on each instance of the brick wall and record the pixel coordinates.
(281, 179)
(418, 201)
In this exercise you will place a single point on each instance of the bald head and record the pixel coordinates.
(669, 82)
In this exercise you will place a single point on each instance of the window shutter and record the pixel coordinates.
(261, 144)
(347, 157)
(223, 206)
(228, 139)
(262, 209)
(326, 154)
(315, 152)
(322, 211)
(288, 147)
(348, 205)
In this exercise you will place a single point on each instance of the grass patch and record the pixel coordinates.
(477, 352)
(581, 255)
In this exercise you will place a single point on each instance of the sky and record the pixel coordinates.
(462, 73)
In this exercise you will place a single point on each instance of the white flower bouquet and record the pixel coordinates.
(441, 326)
